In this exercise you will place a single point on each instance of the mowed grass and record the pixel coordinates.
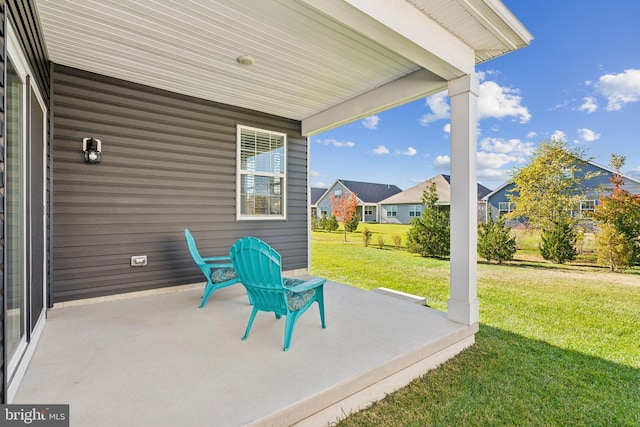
(558, 345)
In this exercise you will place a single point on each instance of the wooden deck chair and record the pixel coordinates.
(259, 269)
(218, 270)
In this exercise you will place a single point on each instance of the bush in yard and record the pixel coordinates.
(322, 223)
(380, 242)
(397, 241)
(315, 224)
(366, 236)
(614, 249)
(352, 224)
(495, 242)
(558, 242)
(430, 235)
(332, 224)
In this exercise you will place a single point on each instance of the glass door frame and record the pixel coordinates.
(17, 362)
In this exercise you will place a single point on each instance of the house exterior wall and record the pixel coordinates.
(593, 188)
(324, 202)
(168, 163)
(403, 213)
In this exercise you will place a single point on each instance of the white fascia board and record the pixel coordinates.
(507, 23)
(406, 89)
(402, 28)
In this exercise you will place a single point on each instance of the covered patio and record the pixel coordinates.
(171, 91)
(156, 359)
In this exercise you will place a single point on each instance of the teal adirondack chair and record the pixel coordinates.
(218, 270)
(259, 268)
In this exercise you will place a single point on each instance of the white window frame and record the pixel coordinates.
(415, 211)
(583, 209)
(392, 211)
(240, 216)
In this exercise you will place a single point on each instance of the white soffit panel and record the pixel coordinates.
(304, 62)
(311, 59)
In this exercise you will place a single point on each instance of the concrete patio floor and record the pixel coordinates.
(158, 360)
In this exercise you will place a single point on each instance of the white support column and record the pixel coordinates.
(463, 298)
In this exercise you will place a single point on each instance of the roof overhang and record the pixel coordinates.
(322, 62)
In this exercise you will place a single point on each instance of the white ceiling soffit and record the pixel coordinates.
(324, 62)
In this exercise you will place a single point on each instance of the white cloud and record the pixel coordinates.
(380, 150)
(410, 151)
(587, 135)
(511, 146)
(336, 143)
(446, 128)
(497, 154)
(319, 184)
(439, 108)
(590, 105)
(494, 160)
(635, 172)
(498, 102)
(619, 89)
(442, 162)
(532, 135)
(314, 173)
(371, 122)
(558, 135)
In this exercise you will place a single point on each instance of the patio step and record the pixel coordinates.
(401, 295)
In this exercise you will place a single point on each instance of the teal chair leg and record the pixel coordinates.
(251, 318)
(320, 299)
(208, 290)
(288, 329)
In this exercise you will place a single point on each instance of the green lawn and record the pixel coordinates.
(558, 345)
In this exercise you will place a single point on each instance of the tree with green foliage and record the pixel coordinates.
(352, 225)
(332, 224)
(430, 235)
(614, 250)
(495, 242)
(559, 241)
(547, 192)
(322, 223)
(366, 236)
(621, 209)
(549, 188)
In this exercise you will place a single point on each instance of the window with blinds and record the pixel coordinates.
(261, 174)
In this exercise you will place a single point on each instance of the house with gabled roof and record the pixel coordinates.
(598, 184)
(369, 195)
(314, 195)
(403, 207)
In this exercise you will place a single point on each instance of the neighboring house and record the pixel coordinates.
(316, 194)
(498, 203)
(403, 207)
(369, 195)
(203, 112)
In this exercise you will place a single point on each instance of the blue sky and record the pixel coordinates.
(579, 80)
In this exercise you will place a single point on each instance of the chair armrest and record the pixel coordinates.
(308, 285)
(218, 258)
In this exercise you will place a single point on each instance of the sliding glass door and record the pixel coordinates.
(15, 332)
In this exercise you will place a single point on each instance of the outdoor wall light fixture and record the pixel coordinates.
(92, 148)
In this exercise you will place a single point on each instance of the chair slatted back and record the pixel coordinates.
(259, 269)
